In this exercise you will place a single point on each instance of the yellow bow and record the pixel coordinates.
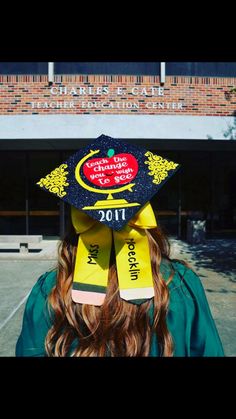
(93, 258)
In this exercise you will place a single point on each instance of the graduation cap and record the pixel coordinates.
(109, 184)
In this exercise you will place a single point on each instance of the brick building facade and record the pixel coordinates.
(144, 95)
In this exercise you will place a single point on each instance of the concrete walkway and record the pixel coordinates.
(214, 263)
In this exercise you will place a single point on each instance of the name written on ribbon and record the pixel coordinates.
(132, 260)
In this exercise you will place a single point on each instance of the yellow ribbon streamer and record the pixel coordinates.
(92, 259)
(93, 256)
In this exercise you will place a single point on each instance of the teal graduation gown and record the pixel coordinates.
(189, 318)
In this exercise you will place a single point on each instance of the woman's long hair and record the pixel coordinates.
(117, 328)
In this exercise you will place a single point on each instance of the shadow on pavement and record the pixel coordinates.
(218, 255)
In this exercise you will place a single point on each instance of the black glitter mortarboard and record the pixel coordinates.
(109, 179)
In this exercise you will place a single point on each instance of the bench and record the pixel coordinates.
(23, 240)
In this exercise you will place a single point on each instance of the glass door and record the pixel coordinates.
(165, 202)
(44, 208)
(13, 187)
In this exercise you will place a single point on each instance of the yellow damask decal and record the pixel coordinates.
(55, 181)
(158, 167)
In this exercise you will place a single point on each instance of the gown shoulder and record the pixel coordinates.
(37, 318)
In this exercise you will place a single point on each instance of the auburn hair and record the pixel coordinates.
(117, 328)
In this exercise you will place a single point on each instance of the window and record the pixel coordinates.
(16, 68)
(202, 69)
(132, 68)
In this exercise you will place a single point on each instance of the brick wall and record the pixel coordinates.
(208, 96)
